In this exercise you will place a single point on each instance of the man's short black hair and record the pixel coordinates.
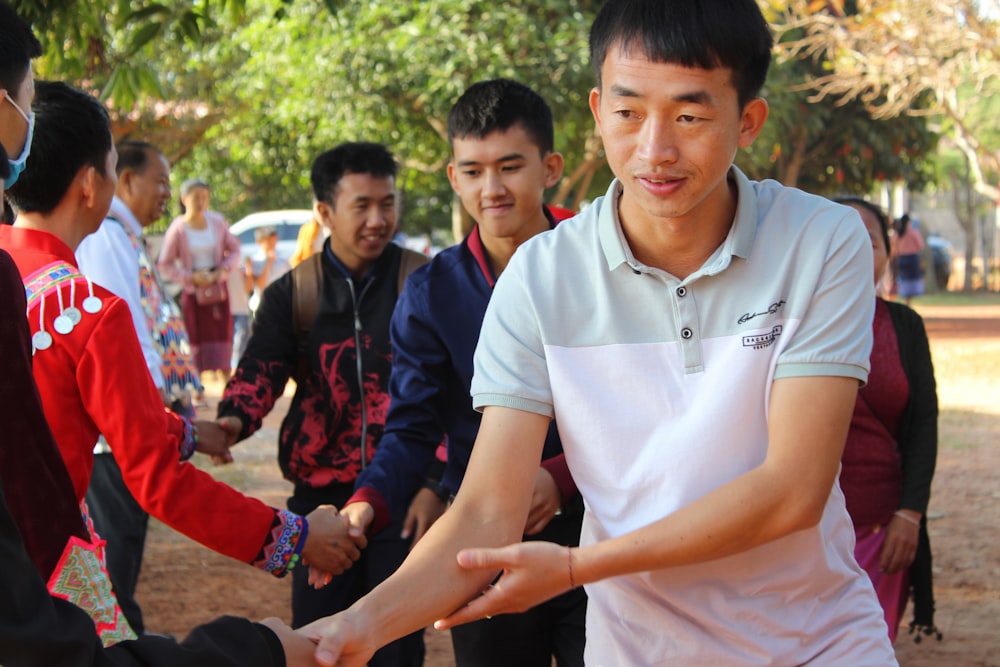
(496, 106)
(134, 156)
(17, 47)
(72, 131)
(692, 33)
(360, 157)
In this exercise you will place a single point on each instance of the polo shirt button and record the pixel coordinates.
(682, 291)
(686, 333)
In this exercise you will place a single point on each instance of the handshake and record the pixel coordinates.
(335, 538)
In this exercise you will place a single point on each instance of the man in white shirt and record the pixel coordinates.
(115, 257)
(700, 339)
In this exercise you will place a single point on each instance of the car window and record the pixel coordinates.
(288, 231)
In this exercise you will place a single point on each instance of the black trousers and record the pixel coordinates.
(119, 520)
(553, 629)
(383, 555)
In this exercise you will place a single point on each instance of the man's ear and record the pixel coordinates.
(323, 213)
(86, 179)
(752, 120)
(451, 176)
(554, 164)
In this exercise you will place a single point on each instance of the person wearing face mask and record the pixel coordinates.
(18, 46)
(115, 257)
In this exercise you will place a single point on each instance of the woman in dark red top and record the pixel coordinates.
(889, 458)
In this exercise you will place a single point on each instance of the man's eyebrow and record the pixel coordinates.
(693, 97)
(503, 158)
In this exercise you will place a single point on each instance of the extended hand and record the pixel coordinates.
(213, 442)
(532, 573)
(232, 426)
(330, 549)
(344, 639)
(299, 649)
(425, 509)
(545, 502)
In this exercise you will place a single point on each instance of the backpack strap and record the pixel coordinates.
(307, 284)
(409, 261)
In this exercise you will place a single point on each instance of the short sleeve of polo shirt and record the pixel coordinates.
(510, 367)
(833, 337)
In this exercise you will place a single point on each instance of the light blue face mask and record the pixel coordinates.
(17, 165)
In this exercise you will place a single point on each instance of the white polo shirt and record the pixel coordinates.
(660, 387)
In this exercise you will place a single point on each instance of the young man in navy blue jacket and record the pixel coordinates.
(501, 137)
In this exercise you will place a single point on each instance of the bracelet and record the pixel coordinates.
(569, 558)
(906, 517)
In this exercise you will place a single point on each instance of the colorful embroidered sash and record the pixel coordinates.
(81, 577)
(50, 277)
(166, 325)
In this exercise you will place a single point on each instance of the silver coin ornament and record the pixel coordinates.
(73, 314)
(41, 340)
(63, 325)
(92, 304)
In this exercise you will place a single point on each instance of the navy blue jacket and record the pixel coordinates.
(434, 332)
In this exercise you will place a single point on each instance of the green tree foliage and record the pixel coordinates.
(834, 146)
(245, 93)
(385, 72)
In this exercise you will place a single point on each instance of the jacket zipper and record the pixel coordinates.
(355, 302)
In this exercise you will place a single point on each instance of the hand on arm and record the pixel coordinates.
(489, 511)
(545, 502)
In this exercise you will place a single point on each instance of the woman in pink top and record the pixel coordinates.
(907, 248)
(199, 252)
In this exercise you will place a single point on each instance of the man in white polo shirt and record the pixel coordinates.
(700, 339)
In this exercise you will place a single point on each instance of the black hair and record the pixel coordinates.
(880, 215)
(694, 33)
(17, 47)
(902, 224)
(349, 158)
(72, 131)
(134, 156)
(498, 105)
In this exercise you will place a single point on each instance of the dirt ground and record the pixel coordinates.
(184, 584)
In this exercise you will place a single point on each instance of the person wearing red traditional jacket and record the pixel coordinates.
(90, 370)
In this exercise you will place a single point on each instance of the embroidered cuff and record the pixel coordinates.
(190, 441)
(285, 540)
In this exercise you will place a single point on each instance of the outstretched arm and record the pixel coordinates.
(809, 417)
(489, 511)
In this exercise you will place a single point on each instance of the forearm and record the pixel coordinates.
(489, 511)
(786, 493)
(430, 580)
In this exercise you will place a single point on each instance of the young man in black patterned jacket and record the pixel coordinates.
(340, 355)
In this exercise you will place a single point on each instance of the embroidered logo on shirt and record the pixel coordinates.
(760, 341)
(770, 310)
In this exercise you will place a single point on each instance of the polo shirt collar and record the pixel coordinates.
(738, 242)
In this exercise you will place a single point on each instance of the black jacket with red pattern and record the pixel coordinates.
(338, 413)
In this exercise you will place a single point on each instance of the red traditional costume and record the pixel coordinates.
(93, 380)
